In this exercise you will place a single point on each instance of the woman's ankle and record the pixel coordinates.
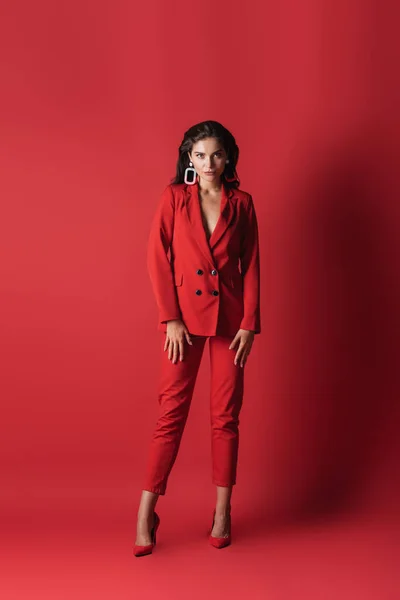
(145, 515)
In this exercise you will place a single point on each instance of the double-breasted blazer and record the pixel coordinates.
(212, 285)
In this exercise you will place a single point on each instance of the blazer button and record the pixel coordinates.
(213, 272)
(215, 293)
(199, 272)
(198, 292)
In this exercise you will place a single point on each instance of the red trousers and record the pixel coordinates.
(175, 395)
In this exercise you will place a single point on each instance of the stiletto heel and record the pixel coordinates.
(143, 550)
(220, 542)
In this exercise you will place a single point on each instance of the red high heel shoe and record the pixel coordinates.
(143, 550)
(220, 542)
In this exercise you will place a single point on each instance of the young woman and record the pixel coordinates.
(203, 261)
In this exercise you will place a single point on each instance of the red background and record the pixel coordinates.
(95, 99)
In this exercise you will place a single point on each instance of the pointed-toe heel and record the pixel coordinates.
(144, 550)
(220, 542)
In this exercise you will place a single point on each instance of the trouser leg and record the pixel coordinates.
(227, 384)
(175, 394)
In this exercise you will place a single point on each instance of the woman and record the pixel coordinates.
(204, 229)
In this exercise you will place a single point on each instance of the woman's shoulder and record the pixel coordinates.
(169, 192)
(242, 194)
(174, 188)
(243, 198)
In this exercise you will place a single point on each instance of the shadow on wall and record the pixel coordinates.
(334, 373)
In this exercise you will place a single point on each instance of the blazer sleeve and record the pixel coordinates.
(250, 268)
(158, 263)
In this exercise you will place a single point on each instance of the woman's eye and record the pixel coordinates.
(218, 155)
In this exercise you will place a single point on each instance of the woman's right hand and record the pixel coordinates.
(176, 334)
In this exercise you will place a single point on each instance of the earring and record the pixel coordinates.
(188, 170)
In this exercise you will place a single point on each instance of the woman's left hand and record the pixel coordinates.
(245, 339)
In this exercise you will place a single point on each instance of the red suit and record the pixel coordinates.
(207, 267)
(214, 287)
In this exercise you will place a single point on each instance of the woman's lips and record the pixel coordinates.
(209, 172)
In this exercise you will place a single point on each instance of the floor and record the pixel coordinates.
(85, 552)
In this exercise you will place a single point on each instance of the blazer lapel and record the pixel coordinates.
(193, 208)
(225, 217)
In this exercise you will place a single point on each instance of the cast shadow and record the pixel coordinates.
(334, 372)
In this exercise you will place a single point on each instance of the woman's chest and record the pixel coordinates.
(210, 212)
(208, 228)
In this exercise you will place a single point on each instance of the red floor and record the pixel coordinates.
(87, 553)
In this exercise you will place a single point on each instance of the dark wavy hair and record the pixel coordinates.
(207, 129)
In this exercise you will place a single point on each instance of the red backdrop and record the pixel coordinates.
(96, 97)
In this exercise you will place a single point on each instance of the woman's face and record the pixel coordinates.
(208, 157)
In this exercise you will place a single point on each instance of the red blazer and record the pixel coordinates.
(214, 287)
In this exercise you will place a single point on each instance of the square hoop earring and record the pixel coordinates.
(188, 170)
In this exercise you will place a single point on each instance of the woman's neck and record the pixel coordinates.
(213, 187)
